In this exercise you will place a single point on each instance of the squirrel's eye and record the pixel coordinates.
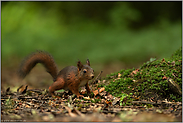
(84, 71)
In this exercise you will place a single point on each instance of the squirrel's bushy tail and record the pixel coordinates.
(38, 57)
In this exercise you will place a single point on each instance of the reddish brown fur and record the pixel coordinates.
(68, 78)
(38, 57)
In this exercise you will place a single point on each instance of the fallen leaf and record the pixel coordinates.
(108, 102)
(22, 89)
(134, 72)
(19, 88)
(119, 75)
(101, 89)
(95, 92)
(8, 89)
(27, 106)
(87, 98)
(115, 101)
(164, 77)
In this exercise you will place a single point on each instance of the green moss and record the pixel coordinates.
(150, 80)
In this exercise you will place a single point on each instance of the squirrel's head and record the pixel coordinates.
(86, 72)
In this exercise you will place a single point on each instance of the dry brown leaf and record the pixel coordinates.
(95, 92)
(87, 98)
(98, 91)
(22, 89)
(8, 89)
(27, 106)
(110, 97)
(134, 72)
(115, 100)
(108, 102)
(101, 89)
(119, 75)
(164, 77)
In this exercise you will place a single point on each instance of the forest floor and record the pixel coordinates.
(32, 105)
(29, 103)
(36, 105)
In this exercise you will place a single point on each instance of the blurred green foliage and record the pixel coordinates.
(104, 32)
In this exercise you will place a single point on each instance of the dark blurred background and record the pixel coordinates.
(113, 35)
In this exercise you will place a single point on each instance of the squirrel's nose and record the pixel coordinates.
(92, 77)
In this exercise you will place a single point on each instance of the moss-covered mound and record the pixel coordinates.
(154, 80)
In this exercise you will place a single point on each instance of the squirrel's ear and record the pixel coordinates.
(88, 62)
(80, 65)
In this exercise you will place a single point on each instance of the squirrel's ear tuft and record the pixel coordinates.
(88, 62)
(80, 65)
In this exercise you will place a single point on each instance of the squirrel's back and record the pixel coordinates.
(38, 57)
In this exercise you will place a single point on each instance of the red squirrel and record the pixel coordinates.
(69, 78)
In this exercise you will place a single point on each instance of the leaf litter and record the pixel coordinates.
(33, 105)
(37, 105)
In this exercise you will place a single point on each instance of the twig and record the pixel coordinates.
(97, 77)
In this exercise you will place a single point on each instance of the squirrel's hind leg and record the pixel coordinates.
(57, 85)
